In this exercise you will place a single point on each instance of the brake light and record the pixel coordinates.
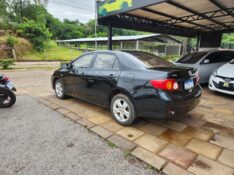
(167, 84)
(5, 79)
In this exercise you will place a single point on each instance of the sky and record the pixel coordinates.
(83, 10)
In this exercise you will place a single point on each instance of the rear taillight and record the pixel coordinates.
(167, 84)
(4, 79)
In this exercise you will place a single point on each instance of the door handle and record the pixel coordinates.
(111, 76)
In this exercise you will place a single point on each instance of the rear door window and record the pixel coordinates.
(104, 61)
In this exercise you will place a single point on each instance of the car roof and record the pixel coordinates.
(211, 51)
(119, 51)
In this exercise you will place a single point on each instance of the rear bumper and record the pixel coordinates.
(156, 107)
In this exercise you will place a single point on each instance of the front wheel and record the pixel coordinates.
(7, 98)
(122, 110)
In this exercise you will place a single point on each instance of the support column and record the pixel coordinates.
(137, 45)
(198, 43)
(109, 43)
(121, 45)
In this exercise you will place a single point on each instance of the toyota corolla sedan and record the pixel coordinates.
(222, 79)
(130, 84)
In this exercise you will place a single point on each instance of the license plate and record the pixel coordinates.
(10, 85)
(189, 84)
(225, 84)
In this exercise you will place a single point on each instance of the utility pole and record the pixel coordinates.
(95, 23)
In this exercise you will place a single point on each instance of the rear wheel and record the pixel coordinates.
(59, 89)
(122, 110)
(7, 98)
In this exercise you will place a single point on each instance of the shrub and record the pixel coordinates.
(6, 63)
(36, 33)
(11, 40)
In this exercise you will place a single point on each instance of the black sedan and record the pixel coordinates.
(130, 83)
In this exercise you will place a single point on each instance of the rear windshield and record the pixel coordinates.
(148, 60)
(192, 58)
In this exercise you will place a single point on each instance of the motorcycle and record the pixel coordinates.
(7, 95)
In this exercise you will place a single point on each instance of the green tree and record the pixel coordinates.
(36, 33)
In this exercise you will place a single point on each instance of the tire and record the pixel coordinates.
(7, 94)
(59, 89)
(122, 110)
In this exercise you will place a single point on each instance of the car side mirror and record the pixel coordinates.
(206, 61)
(64, 66)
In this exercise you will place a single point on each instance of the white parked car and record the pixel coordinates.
(222, 79)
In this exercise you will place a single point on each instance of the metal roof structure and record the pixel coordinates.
(188, 18)
(151, 37)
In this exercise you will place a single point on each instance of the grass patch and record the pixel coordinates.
(112, 145)
(127, 153)
(52, 54)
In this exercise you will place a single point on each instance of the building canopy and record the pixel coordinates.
(176, 17)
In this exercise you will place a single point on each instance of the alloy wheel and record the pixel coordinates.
(121, 110)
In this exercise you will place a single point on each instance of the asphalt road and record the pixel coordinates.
(37, 140)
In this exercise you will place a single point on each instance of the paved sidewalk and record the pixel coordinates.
(37, 140)
(200, 143)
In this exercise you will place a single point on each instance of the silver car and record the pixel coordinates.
(206, 62)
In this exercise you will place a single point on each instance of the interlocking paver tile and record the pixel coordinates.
(204, 148)
(98, 119)
(86, 123)
(112, 126)
(193, 121)
(227, 157)
(151, 143)
(63, 111)
(213, 119)
(228, 123)
(139, 123)
(205, 166)
(198, 133)
(54, 106)
(223, 141)
(172, 169)
(148, 157)
(176, 126)
(176, 138)
(153, 129)
(225, 111)
(73, 116)
(122, 142)
(75, 107)
(216, 128)
(101, 131)
(178, 155)
(226, 116)
(130, 133)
